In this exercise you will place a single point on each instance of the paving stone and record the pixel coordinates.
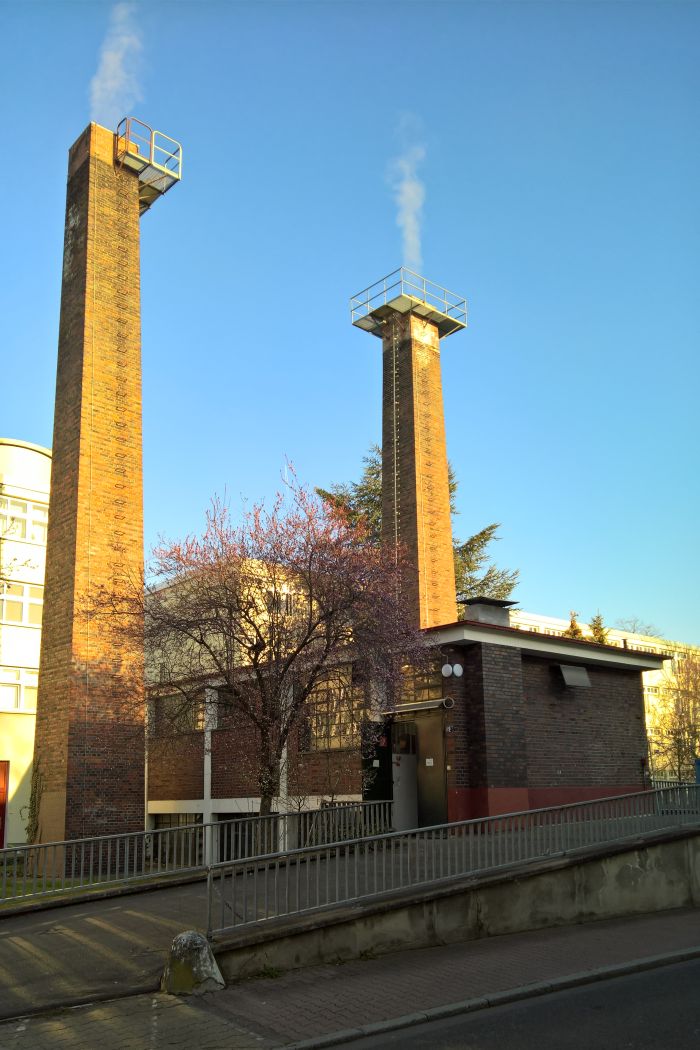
(312, 1004)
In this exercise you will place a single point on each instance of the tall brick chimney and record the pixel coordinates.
(411, 315)
(89, 744)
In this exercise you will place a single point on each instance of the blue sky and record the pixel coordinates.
(560, 162)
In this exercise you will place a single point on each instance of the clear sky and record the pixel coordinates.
(554, 147)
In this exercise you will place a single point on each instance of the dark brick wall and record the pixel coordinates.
(580, 736)
(487, 747)
(516, 728)
(465, 745)
(504, 716)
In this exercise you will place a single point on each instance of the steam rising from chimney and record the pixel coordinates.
(115, 86)
(409, 193)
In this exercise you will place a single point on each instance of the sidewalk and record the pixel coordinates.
(93, 949)
(317, 1002)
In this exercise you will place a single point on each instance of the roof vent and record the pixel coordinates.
(487, 610)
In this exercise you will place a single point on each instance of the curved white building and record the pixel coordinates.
(25, 472)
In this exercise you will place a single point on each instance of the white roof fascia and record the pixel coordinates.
(551, 648)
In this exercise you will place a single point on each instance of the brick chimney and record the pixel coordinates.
(89, 745)
(411, 315)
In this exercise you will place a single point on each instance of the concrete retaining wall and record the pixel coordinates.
(632, 878)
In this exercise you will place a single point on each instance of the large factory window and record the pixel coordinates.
(423, 684)
(336, 712)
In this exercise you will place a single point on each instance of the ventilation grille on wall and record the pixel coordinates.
(575, 676)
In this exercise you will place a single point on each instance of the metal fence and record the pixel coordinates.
(76, 865)
(661, 783)
(241, 893)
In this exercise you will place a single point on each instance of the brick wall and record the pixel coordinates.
(504, 716)
(520, 738)
(233, 771)
(465, 745)
(176, 767)
(487, 745)
(516, 738)
(89, 735)
(584, 736)
(328, 773)
(415, 488)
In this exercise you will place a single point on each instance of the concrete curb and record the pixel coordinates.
(512, 995)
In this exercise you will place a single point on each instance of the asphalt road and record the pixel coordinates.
(655, 1010)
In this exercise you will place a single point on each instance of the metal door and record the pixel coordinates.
(377, 780)
(432, 781)
(404, 775)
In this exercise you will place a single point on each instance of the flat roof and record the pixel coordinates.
(532, 643)
(25, 444)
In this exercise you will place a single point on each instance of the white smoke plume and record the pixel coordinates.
(115, 86)
(409, 194)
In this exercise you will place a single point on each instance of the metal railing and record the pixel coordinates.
(660, 782)
(77, 865)
(405, 282)
(306, 880)
(150, 147)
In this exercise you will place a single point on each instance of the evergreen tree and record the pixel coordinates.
(475, 574)
(574, 628)
(598, 629)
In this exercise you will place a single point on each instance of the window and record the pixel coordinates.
(336, 712)
(9, 688)
(281, 602)
(179, 714)
(18, 687)
(175, 838)
(21, 603)
(21, 519)
(176, 820)
(425, 684)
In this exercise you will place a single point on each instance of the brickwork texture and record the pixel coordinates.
(519, 737)
(415, 485)
(89, 750)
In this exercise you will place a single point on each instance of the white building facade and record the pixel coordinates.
(25, 472)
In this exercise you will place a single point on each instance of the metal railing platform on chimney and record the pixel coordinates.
(297, 882)
(78, 866)
(403, 292)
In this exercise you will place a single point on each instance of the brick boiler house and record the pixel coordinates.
(507, 720)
